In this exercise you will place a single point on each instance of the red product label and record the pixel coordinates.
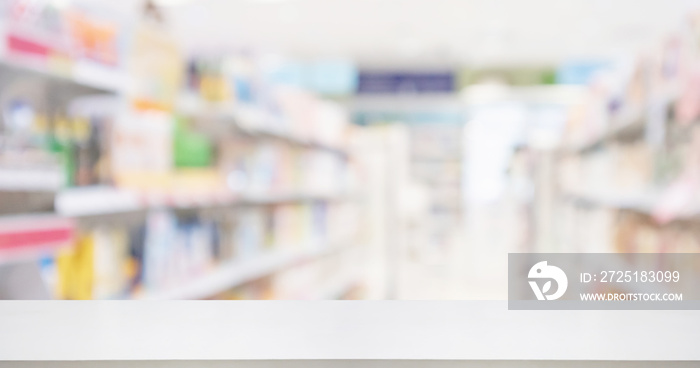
(29, 238)
(24, 46)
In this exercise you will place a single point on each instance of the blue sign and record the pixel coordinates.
(406, 82)
(578, 72)
(330, 78)
(418, 117)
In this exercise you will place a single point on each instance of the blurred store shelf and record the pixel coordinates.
(254, 122)
(241, 271)
(96, 201)
(82, 77)
(639, 203)
(33, 236)
(100, 78)
(231, 192)
(647, 204)
(64, 74)
(629, 124)
(274, 198)
(31, 179)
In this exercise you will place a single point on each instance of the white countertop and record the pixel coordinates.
(213, 330)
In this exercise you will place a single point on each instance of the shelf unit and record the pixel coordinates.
(84, 211)
(30, 180)
(84, 76)
(99, 201)
(26, 238)
(239, 272)
(73, 205)
(251, 121)
(640, 203)
(631, 124)
(645, 203)
(435, 166)
(632, 188)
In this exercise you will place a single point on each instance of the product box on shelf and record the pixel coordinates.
(80, 43)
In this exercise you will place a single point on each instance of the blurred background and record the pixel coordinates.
(338, 149)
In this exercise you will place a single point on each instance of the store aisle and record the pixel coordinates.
(155, 149)
(473, 266)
